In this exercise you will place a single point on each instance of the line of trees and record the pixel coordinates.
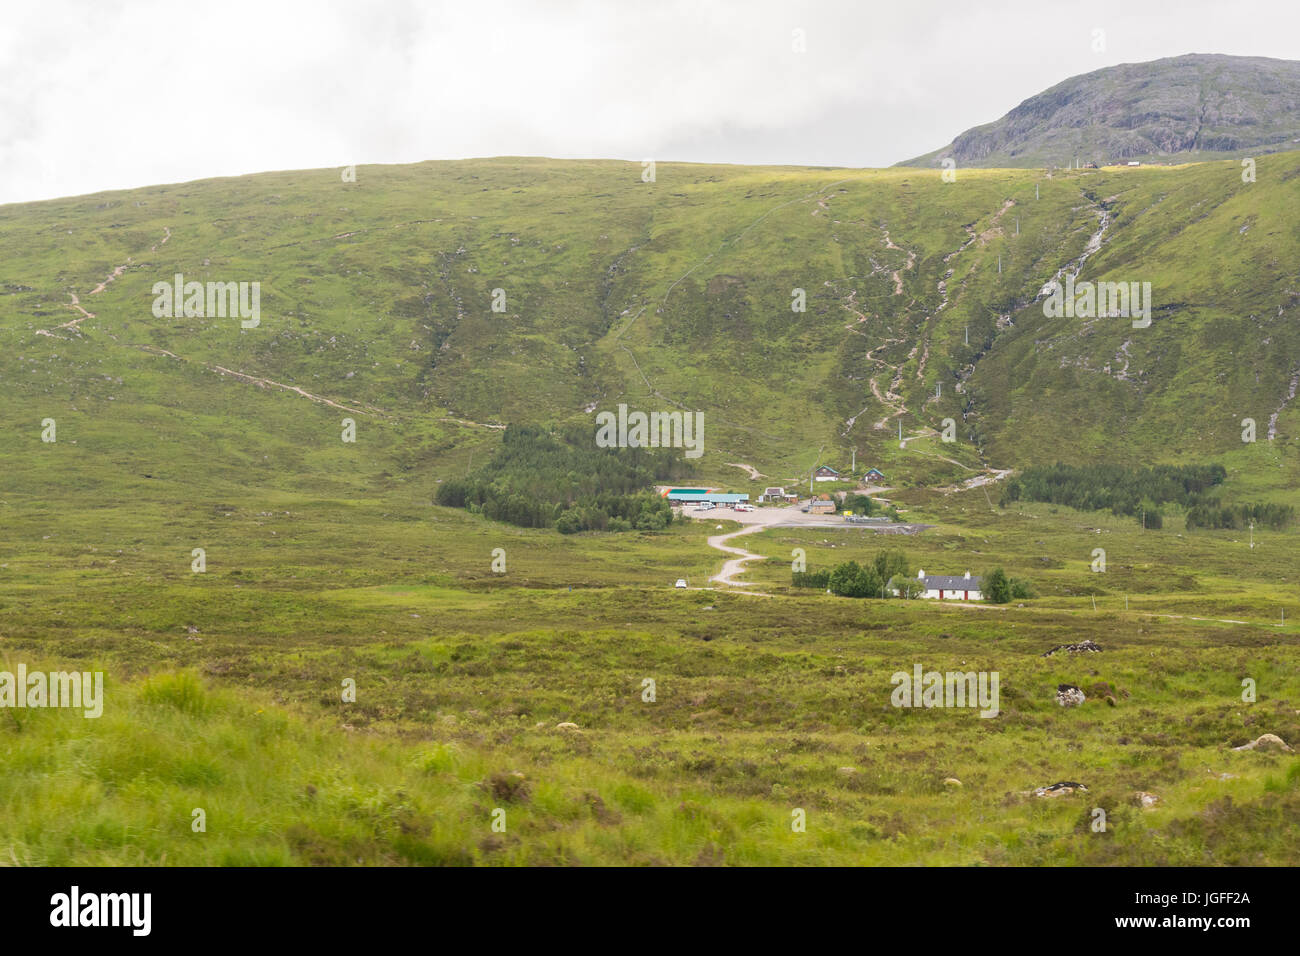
(1210, 514)
(1122, 490)
(543, 479)
(1141, 492)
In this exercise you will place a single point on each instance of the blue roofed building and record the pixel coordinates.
(712, 497)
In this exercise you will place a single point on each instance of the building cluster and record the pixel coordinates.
(814, 503)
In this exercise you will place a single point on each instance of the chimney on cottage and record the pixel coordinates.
(967, 575)
(921, 574)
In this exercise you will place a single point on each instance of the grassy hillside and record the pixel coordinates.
(377, 296)
(327, 560)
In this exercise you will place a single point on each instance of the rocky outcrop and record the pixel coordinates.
(1067, 695)
(1083, 647)
(1266, 742)
(1178, 108)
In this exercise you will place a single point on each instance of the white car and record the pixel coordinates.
(744, 507)
(681, 583)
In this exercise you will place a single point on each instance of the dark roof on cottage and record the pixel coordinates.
(943, 582)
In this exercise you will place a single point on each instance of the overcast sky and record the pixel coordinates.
(103, 94)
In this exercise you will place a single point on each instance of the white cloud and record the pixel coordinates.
(98, 95)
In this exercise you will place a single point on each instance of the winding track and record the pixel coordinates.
(735, 565)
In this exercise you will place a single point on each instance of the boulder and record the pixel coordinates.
(1067, 695)
(1147, 800)
(1062, 789)
(1266, 742)
(1083, 647)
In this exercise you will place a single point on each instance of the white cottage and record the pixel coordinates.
(946, 588)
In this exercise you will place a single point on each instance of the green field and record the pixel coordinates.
(328, 561)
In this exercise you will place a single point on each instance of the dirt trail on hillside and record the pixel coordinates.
(754, 473)
(897, 274)
(265, 382)
(994, 229)
(462, 421)
(76, 305)
(115, 273)
(358, 408)
(987, 477)
(890, 397)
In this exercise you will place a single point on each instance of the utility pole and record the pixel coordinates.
(1035, 190)
(938, 389)
(968, 335)
(1017, 225)
(1252, 536)
(854, 466)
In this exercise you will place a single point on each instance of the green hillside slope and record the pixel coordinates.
(922, 303)
(520, 687)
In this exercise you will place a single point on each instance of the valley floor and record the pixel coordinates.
(603, 716)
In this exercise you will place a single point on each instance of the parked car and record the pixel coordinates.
(745, 507)
(681, 583)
